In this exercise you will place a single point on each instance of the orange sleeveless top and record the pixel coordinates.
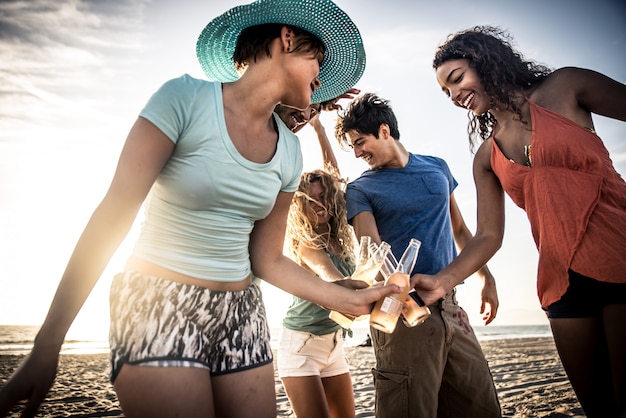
(575, 201)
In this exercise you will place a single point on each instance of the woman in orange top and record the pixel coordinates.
(538, 144)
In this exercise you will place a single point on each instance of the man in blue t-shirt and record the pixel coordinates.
(437, 368)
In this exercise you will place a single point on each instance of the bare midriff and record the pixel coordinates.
(150, 269)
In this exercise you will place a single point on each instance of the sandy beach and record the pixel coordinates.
(527, 372)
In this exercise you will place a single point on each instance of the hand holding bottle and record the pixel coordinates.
(386, 312)
(369, 262)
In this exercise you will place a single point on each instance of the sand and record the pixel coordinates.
(527, 372)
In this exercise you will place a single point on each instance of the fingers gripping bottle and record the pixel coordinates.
(386, 312)
(346, 320)
(370, 259)
(414, 311)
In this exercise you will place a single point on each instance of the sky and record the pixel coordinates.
(74, 75)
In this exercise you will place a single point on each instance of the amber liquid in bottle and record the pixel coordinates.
(386, 312)
(370, 260)
(414, 311)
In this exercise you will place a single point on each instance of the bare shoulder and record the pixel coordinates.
(572, 80)
(558, 88)
(569, 74)
(574, 92)
(482, 159)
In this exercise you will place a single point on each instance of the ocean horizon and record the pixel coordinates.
(18, 339)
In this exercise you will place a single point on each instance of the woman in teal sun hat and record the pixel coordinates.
(344, 56)
(189, 335)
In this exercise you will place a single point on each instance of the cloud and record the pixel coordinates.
(63, 57)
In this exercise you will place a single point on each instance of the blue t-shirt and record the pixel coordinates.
(205, 202)
(410, 202)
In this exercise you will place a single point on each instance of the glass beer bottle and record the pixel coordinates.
(346, 320)
(369, 261)
(386, 312)
(414, 311)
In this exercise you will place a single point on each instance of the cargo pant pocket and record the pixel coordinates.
(391, 393)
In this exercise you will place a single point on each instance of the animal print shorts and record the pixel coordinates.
(163, 323)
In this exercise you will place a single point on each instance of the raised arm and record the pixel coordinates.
(144, 154)
(328, 155)
(327, 151)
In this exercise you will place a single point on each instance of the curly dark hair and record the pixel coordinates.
(502, 71)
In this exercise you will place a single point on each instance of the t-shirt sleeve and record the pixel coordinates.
(292, 186)
(452, 183)
(356, 202)
(293, 163)
(168, 106)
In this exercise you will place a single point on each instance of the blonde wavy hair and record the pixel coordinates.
(300, 230)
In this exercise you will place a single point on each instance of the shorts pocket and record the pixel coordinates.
(300, 345)
(391, 393)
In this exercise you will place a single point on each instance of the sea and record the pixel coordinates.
(18, 339)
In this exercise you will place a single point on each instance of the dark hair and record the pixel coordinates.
(365, 114)
(256, 40)
(501, 70)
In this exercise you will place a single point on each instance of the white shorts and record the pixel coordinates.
(305, 354)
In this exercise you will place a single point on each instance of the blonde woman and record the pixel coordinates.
(311, 358)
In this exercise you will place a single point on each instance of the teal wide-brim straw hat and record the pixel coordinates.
(344, 60)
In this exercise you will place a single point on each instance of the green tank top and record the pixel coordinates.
(306, 316)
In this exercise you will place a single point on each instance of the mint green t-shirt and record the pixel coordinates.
(202, 207)
(306, 316)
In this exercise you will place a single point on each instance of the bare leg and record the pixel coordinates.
(164, 391)
(340, 396)
(615, 330)
(306, 396)
(191, 392)
(246, 394)
(582, 348)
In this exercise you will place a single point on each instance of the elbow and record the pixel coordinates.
(263, 262)
(489, 242)
(496, 246)
(494, 243)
